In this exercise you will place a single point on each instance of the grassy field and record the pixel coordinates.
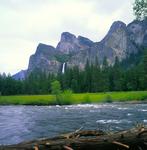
(69, 98)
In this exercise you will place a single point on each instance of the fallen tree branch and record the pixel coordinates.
(67, 148)
(121, 144)
(36, 148)
(134, 139)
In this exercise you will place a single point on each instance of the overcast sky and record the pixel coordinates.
(25, 23)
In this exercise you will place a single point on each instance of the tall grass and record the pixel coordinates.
(68, 97)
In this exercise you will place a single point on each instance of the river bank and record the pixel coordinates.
(71, 98)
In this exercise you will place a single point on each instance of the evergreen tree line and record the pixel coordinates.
(94, 78)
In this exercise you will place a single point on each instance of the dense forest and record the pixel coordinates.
(128, 75)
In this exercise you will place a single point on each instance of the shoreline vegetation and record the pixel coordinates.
(68, 98)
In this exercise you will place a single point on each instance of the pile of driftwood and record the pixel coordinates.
(133, 139)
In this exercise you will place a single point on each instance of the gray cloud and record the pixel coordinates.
(107, 6)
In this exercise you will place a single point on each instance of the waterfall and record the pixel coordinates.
(63, 68)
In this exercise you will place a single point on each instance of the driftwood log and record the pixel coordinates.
(133, 139)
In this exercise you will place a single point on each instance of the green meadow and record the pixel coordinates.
(71, 98)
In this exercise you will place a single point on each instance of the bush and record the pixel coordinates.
(66, 97)
(56, 90)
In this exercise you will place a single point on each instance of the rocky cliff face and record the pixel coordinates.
(117, 43)
(70, 44)
(44, 59)
(120, 42)
(138, 32)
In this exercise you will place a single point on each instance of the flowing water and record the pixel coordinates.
(23, 123)
(63, 68)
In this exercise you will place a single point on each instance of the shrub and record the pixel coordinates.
(66, 97)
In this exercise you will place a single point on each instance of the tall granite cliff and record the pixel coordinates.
(120, 41)
(69, 43)
(44, 59)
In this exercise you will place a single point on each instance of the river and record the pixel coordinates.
(23, 123)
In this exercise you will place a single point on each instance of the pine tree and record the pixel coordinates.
(87, 77)
(117, 75)
(140, 9)
(145, 69)
(105, 76)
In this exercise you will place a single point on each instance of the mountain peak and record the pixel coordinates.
(43, 48)
(138, 32)
(117, 25)
(67, 43)
(67, 37)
